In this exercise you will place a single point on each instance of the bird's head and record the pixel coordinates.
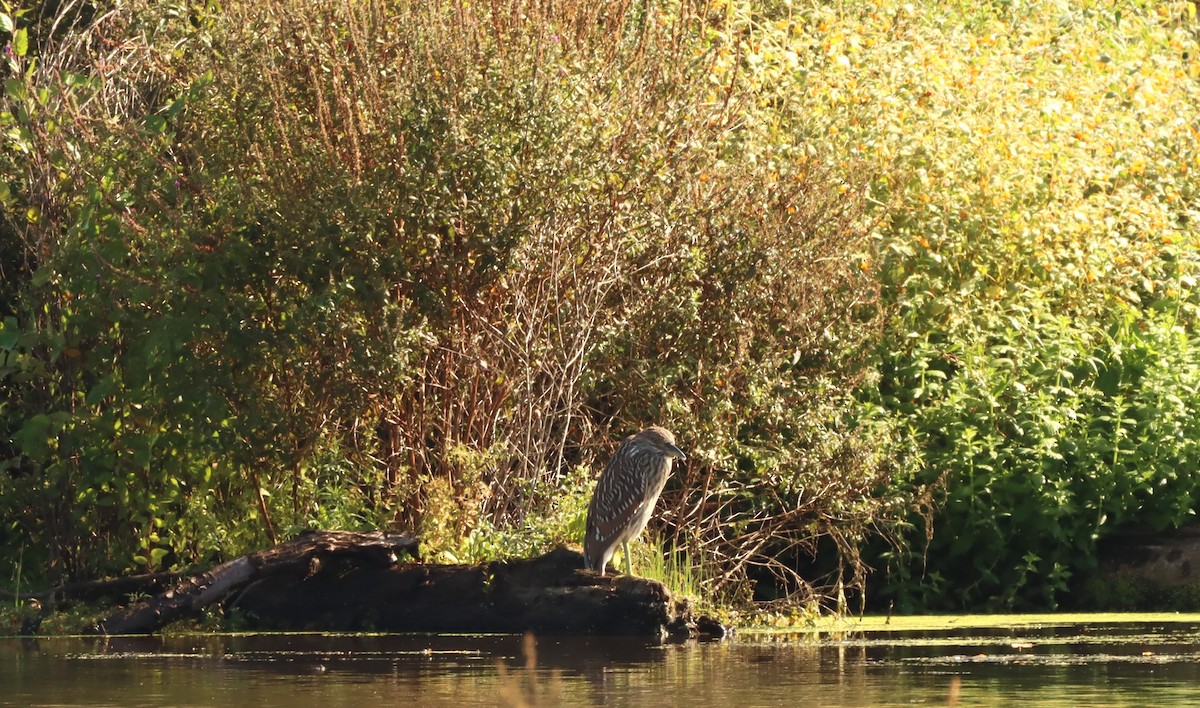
(661, 440)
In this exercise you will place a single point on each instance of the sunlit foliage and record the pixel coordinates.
(422, 264)
(910, 276)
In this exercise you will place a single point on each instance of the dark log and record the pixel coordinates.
(100, 589)
(328, 581)
(1159, 560)
(304, 554)
(550, 594)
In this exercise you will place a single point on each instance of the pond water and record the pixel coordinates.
(1074, 665)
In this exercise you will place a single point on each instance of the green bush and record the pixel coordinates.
(1041, 266)
(418, 264)
(282, 264)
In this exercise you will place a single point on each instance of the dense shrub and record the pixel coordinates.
(281, 264)
(1041, 262)
(423, 264)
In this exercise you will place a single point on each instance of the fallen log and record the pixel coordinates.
(550, 594)
(306, 553)
(103, 588)
(1146, 571)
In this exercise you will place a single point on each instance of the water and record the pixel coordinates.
(1072, 665)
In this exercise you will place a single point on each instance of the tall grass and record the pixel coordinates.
(674, 568)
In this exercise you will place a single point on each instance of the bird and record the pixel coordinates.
(626, 493)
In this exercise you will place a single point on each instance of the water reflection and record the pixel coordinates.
(1075, 666)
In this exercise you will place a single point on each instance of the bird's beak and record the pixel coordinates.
(675, 452)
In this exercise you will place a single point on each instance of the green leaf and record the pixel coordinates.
(102, 390)
(34, 438)
(9, 334)
(20, 43)
(6, 23)
(14, 89)
(156, 124)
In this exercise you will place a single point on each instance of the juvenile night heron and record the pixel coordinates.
(626, 494)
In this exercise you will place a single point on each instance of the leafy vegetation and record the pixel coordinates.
(398, 264)
(1043, 355)
(913, 283)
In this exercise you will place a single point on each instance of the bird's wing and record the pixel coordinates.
(612, 511)
(620, 499)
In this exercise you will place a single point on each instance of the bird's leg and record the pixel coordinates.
(625, 552)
